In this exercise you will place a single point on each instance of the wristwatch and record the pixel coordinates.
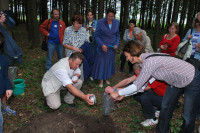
(115, 89)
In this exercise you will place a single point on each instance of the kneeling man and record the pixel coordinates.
(64, 74)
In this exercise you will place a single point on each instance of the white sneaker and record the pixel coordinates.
(91, 78)
(149, 122)
(157, 113)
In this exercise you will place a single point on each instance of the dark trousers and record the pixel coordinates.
(149, 100)
(123, 61)
(191, 99)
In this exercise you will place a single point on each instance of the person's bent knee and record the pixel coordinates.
(54, 106)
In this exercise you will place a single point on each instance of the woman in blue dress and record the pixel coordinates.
(107, 39)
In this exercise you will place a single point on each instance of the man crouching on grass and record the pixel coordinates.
(64, 74)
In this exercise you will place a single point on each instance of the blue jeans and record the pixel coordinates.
(1, 119)
(191, 98)
(50, 52)
(149, 100)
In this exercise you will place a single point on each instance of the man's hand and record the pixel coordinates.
(8, 93)
(2, 18)
(87, 99)
(109, 89)
(104, 48)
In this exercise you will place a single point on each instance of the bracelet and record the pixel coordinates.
(115, 89)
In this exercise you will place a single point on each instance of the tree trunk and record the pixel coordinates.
(143, 12)
(176, 10)
(157, 26)
(65, 12)
(182, 18)
(23, 11)
(121, 14)
(164, 13)
(109, 3)
(44, 13)
(78, 7)
(100, 9)
(190, 15)
(4, 5)
(71, 10)
(169, 13)
(11, 6)
(88, 7)
(150, 14)
(33, 23)
(126, 16)
(94, 7)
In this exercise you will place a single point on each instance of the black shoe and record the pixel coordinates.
(73, 105)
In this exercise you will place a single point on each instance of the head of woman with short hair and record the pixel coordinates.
(110, 15)
(196, 23)
(77, 21)
(173, 28)
(90, 15)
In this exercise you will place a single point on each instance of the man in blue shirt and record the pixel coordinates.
(54, 34)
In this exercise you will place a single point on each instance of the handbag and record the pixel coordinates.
(183, 48)
(44, 42)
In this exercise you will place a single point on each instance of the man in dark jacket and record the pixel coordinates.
(5, 84)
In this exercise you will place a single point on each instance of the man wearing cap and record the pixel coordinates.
(64, 74)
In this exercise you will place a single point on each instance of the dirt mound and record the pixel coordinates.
(70, 122)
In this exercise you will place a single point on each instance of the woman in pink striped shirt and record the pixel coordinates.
(178, 74)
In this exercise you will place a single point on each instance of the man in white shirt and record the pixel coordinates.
(64, 74)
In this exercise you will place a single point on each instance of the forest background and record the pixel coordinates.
(150, 14)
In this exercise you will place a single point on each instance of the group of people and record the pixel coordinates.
(159, 80)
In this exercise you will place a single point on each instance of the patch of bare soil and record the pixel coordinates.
(61, 121)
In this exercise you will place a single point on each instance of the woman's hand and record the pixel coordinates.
(104, 48)
(163, 47)
(189, 36)
(116, 47)
(109, 89)
(77, 49)
(198, 45)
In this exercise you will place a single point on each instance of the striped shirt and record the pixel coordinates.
(173, 71)
(194, 41)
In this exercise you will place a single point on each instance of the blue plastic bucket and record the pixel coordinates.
(19, 86)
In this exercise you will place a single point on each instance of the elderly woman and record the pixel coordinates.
(178, 74)
(170, 41)
(141, 36)
(107, 40)
(74, 37)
